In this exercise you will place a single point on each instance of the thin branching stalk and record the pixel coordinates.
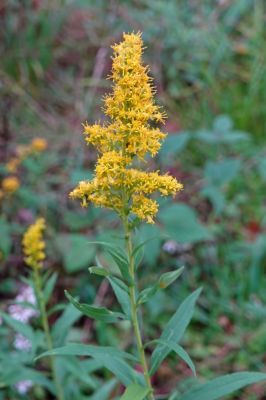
(134, 308)
(45, 325)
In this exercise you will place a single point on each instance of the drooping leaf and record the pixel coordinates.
(96, 312)
(174, 329)
(109, 357)
(18, 326)
(224, 385)
(135, 392)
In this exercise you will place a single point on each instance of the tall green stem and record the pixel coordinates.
(134, 312)
(45, 324)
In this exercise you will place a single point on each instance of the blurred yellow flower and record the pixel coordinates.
(126, 139)
(39, 144)
(12, 164)
(10, 185)
(34, 245)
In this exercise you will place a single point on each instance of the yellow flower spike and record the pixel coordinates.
(10, 185)
(39, 145)
(127, 137)
(34, 245)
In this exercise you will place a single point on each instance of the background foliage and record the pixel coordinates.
(208, 62)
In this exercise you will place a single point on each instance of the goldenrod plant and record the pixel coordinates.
(34, 250)
(123, 183)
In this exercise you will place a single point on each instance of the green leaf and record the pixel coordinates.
(172, 145)
(152, 247)
(75, 251)
(19, 327)
(122, 264)
(49, 286)
(146, 294)
(111, 358)
(221, 172)
(181, 224)
(5, 234)
(121, 293)
(63, 324)
(222, 386)
(180, 351)
(105, 391)
(169, 277)
(164, 281)
(135, 392)
(95, 312)
(99, 271)
(174, 329)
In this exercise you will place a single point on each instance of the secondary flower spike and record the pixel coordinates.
(34, 245)
(125, 140)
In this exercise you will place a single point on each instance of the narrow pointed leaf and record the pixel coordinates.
(99, 271)
(111, 358)
(180, 351)
(224, 385)
(169, 277)
(121, 293)
(135, 392)
(96, 312)
(174, 329)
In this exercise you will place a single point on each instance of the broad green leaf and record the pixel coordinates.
(179, 351)
(135, 392)
(181, 224)
(174, 329)
(121, 293)
(152, 247)
(75, 251)
(221, 172)
(95, 312)
(222, 386)
(172, 145)
(109, 357)
(169, 277)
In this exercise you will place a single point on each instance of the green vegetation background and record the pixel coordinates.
(208, 62)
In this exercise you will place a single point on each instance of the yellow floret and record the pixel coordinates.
(34, 245)
(10, 184)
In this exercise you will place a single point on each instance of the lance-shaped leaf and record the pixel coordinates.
(174, 329)
(96, 312)
(222, 386)
(110, 358)
(121, 292)
(180, 351)
(99, 271)
(164, 281)
(135, 392)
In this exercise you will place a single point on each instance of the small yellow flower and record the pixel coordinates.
(12, 164)
(10, 185)
(34, 245)
(124, 141)
(39, 144)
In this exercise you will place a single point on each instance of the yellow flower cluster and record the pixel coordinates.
(10, 185)
(34, 245)
(126, 139)
(37, 145)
